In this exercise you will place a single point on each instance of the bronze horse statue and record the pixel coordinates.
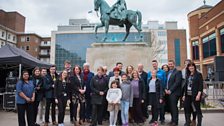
(107, 18)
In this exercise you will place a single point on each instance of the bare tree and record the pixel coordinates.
(157, 47)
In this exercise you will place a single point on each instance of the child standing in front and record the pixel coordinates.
(113, 97)
(127, 98)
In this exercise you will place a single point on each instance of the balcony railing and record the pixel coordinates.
(44, 53)
(45, 44)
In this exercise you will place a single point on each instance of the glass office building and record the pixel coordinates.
(72, 46)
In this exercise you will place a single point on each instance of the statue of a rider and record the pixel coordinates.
(119, 9)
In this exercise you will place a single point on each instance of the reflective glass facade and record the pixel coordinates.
(209, 46)
(222, 39)
(72, 46)
(195, 50)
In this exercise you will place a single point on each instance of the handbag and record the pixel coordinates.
(203, 96)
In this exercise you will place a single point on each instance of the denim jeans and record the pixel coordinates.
(124, 111)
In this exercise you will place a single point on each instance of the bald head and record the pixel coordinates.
(140, 67)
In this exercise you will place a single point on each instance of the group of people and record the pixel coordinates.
(122, 97)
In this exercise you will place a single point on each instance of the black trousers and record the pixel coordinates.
(35, 110)
(97, 112)
(136, 111)
(153, 101)
(173, 100)
(50, 102)
(154, 110)
(106, 114)
(88, 108)
(162, 112)
(196, 110)
(71, 109)
(61, 109)
(28, 109)
(145, 111)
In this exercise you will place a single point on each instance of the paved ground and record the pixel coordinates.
(210, 119)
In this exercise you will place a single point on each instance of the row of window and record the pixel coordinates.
(161, 33)
(27, 48)
(9, 36)
(25, 39)
(209, 45)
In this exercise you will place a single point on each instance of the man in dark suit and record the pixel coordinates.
(173, 90)
(143, 75)
(49, 83)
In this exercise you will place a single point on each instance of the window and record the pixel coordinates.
(195, 50)
(177, 51)
(161, 33)
(3, 34)
(28, 39)
(48, 51)
(162, 42)
(2, 43)
(9, 36)
(36, 49)
(23, 39)
(222, 39)
(27, 48)
(45, 42)
(209, 45)
(14, 38)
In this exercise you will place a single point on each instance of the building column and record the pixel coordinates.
(218, 42)
(200, 44)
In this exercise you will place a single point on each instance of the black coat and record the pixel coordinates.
(159, 89)
(39, 94)
(76, 84)
(58, 90)
(174, 82)
(197, 84)
(144, 76)
(98, 84)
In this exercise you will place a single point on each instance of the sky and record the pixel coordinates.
(43, 16)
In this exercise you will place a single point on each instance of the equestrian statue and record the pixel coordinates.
(118, 15)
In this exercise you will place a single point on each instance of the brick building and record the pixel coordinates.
(12, 31)
(11, 23)
(176, 45)
(35, 45)
(206, 29)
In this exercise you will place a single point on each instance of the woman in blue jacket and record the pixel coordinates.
(25, 95)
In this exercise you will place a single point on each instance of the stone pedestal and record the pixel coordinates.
(107, 54)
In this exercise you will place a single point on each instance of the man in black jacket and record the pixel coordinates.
(49, 82)
(173, 90)
(143, 75)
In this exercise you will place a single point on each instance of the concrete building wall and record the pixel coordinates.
(7, 36)
(45, 49)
